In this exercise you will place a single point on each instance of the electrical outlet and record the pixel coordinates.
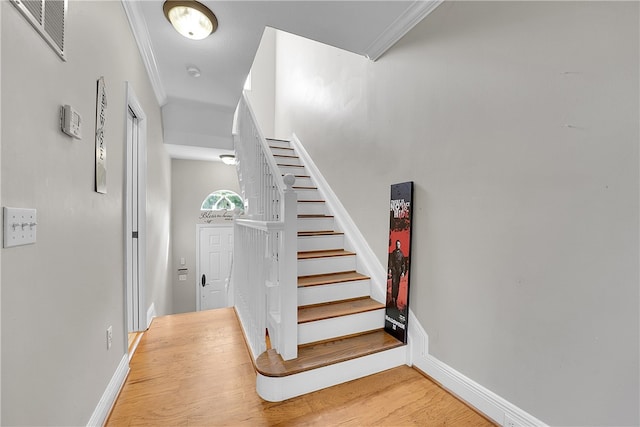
(109, 337)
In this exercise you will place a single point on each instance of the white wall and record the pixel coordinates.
(518, 123)
(158, 277)
(263, 83)
(192, 182)
(60, 295)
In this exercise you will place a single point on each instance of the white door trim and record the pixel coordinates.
(0, 234)
(199, 227)
(140, 318)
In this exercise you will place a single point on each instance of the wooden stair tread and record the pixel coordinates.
(300, 176)
(287, 156)
(311, 201)
(319, 233)
(281, 148)
(314, 216)
(316, 355)
(290, 166)
(327, 253)
(312, 313)
(297, 187)
(326, 279)
(276, 139)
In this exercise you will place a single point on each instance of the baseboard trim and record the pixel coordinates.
(480, 398)
(108, 399)
(151, 313)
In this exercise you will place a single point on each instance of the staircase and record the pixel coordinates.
(340, 327)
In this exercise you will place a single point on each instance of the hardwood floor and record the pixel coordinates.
(194, 370)
(133, 341)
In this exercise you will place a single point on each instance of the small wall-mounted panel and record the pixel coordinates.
(70, 121)
(19, 227)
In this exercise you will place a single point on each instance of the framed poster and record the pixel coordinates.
(400, 216)
(101, 147)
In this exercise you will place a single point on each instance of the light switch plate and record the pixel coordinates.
(19, 226)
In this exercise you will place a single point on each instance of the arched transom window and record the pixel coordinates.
(223, 200)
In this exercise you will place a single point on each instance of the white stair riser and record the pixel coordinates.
(294, 170)
(304, 194)
(312, 208)
(315, 224)
(308, 267)
(284, 151)
(287, 160)
(277, 389)
(320, 243)
(277, 143)
(333, 292)
(340, 326)
(304, 182)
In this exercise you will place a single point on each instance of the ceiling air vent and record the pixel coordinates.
(46, 16)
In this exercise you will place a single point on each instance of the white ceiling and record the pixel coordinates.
(198, 112)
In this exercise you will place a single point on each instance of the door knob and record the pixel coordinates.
(204, 280)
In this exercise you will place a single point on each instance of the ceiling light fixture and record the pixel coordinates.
(228, 159)
(190, 18)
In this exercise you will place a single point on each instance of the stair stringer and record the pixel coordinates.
(368, 263)
(277, 389)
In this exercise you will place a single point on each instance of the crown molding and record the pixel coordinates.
(415, 13)
(143, 40)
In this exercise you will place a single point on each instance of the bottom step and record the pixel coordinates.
(317, 355)
(279, 388)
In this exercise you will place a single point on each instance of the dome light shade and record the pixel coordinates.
(190, 18)
(228, 159)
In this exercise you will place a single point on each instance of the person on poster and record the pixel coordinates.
(398, 270)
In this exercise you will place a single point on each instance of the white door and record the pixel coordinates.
(214, 268)
(133, 265)
(135, 215)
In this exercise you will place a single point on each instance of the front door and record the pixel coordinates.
(214, 268)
